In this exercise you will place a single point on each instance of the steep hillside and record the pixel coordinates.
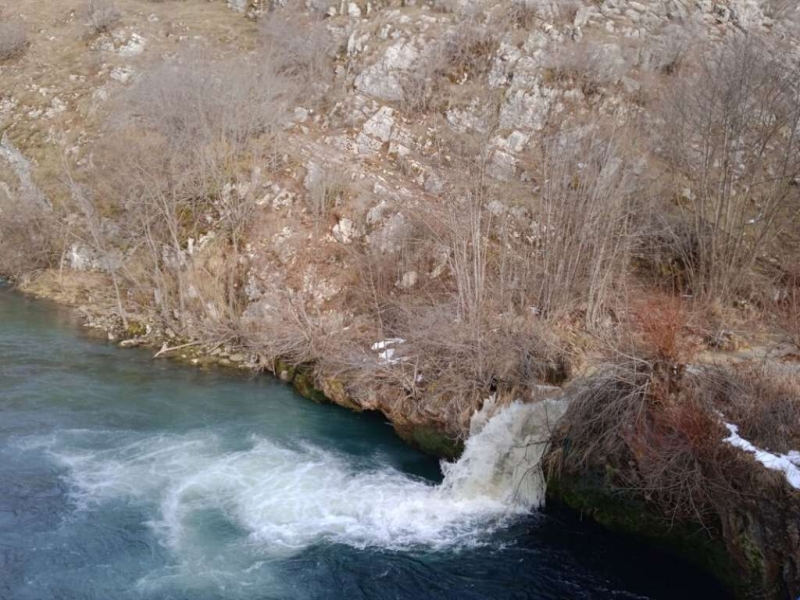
(410, 207)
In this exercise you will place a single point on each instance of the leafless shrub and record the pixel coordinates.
(523, 15)
(667, 438)
(195, 102)
(582, 222)
(601, 411)
(667, 51)
(103, 15)
(421, 89)
(788, 306)
(444, 6)
(730, 139)
(300, 48)
(660, 322)
(326, 187)
(476, 323)
(590, 64)
(292, 331)
(468, 50)
(97, 238)
(763, 400)
(662, 430)
(29, 234)
(463, 54)
(187, 139)
(781, 9)
(559, 11)
(13, 40)
(463, 8)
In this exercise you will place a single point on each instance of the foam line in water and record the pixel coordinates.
(285, 499)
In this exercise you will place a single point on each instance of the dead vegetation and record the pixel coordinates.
(30, 234)
(299, 47)
(103, 15)
(730, 141)
(13, 39)
(664, 428)
(189, 141)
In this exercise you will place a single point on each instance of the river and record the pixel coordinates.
(124, 478)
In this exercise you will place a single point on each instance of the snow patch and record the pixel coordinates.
(788, 463)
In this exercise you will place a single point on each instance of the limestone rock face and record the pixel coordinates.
(384, 78)
(390, 237)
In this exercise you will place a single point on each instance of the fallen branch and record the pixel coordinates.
(165, 348)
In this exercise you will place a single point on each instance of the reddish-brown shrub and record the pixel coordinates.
(660, 323)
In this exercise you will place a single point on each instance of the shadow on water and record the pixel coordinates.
(128, 478)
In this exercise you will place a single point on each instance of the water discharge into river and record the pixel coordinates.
(127, 478)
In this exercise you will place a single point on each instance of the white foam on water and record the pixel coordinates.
(286, 499)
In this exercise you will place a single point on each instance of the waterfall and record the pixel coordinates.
(502, 454)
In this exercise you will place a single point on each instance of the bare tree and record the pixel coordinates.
(730, 137)
(98, 238)
(183, 162)
(582, 221)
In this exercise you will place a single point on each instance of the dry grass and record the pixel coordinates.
(300, 48)
(590, 64)
(327, 187)
(763, 400)
(13, 40)
(463, 54)
(103, 15)
(30, 235)
(527, 12)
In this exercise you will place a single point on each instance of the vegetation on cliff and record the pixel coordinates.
(408, 208)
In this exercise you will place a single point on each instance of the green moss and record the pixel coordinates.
(281, 367)
(593, 496)
(305, 384)
(336, 391)
(135, 329)
(432, 440)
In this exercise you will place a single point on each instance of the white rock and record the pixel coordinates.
(516, 141)
(496, 208)
(82, 258)
(121, 74)
(526, 109)
(353, 10)
(375, 213)
(383, 79)
(408, 280)
(380, 124)
(391, 237)
(345, 231)
(134, 46)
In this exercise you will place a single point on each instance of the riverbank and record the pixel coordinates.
(138, 480)
(748, 544)
(410, 208)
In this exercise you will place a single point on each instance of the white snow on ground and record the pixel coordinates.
(385, 352)
(788, 463)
